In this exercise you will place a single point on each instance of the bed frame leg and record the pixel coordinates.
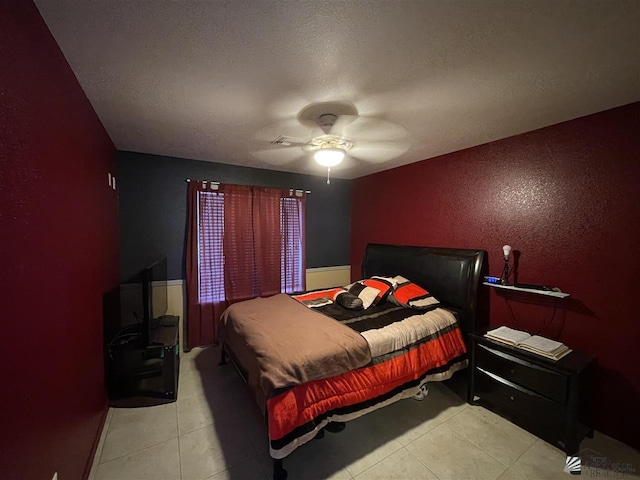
(279, 473)
(335, 427)
(223, 356)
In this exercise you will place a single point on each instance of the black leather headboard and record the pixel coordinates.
(452, 275)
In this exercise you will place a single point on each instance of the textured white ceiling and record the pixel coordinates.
(217, 80)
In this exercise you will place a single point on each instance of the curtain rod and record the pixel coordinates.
(218, 183)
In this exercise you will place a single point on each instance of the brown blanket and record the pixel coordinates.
(281, 343)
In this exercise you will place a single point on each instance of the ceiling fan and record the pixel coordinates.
(331, 131)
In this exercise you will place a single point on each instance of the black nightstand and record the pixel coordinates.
(541, 395)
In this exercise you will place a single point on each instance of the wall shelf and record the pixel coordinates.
(548, 293)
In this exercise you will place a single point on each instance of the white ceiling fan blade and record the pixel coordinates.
(279, 155)
(372, 129)
(338, 128)
(378, 152)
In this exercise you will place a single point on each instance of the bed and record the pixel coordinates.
(333, 365)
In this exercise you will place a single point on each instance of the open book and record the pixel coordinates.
(533, 343)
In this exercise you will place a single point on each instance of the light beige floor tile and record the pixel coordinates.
(451, 403)
(198, 382)
(254, 427)
(407, 419)
(194, 413)
(190, 384)
(213, 449)
(313, 461)
(159, 462)
(133, 429)
(542, 461)
(398, 465)
(371, 457)
(500, 438)
(362, 444)
(450, 456)
(224, 399)
(441, 433)
(103, 436)
(205, 362)
(249, 470)
(509, 475)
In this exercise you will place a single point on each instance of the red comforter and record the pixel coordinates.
(426, 347)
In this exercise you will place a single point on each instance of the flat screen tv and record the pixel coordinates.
(143, 300)
(154, 297)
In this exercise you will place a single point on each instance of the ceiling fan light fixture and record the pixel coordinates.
(329, 157)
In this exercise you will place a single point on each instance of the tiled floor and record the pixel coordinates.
(214, 431)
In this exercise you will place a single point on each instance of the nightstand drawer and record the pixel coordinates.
(520, 401)
(520, 372)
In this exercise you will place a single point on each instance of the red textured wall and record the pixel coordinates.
(59, 254)
(567, 197)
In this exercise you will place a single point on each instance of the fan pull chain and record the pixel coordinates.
(328, 173)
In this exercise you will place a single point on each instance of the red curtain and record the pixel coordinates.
(243, 242)
(267, 239)
(205, 265)
(252, 241)
(239, 283)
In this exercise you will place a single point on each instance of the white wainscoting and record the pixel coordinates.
(321, 277)
(324, 277)
(176, 293)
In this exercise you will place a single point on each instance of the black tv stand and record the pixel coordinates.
(142, 374)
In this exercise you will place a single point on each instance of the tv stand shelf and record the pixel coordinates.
(142, 375)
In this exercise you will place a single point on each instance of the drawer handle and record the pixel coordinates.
(512, 398)
(512, 370)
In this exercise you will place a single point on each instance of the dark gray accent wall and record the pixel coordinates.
(153, 209)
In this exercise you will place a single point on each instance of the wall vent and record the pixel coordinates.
(285, 141)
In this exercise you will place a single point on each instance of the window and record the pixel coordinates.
(292, 259)
(211, 255)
